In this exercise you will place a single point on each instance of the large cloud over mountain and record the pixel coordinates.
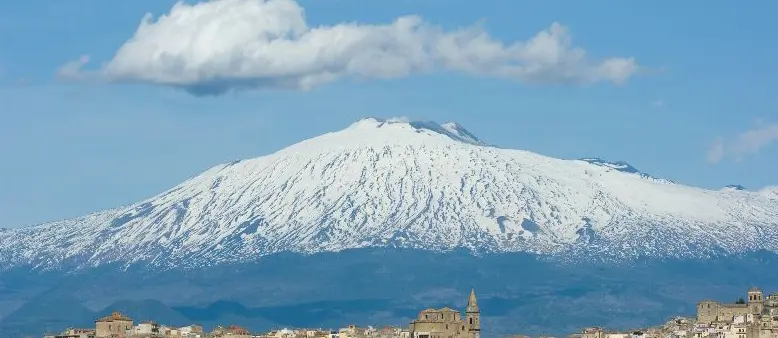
(217, 46)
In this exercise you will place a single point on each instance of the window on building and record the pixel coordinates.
(471, 320)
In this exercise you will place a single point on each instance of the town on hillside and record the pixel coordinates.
(753, 317)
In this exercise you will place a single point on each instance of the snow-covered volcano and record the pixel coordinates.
(411, 185)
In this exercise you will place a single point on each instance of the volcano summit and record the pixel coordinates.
(412, 185)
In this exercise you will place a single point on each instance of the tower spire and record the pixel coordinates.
(472, 302)
(473, 315)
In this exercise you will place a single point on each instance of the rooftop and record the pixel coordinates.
(431, 310)
(115, 316)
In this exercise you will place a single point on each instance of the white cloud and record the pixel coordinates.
(744, 144)
(770, 191)
(399, 119)
(658, 103)
(716, 151)
(72, 69)
(216, 46)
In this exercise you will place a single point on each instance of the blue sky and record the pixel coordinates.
(700, 110)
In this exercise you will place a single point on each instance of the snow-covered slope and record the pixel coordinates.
(405, 184)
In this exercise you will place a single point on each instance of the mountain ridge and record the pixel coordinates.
(394, 183)
(734, 187)
(393, 285)
(624, 167)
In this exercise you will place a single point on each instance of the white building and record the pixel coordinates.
(147, 329)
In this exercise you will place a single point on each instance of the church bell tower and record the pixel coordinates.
(473, 316)
(755, 300)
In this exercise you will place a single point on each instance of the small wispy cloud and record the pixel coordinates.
(72, 69)
(744, 144)
(213, 47)
(770, 191)
(716, 151)
(398, 119)
(658, 103)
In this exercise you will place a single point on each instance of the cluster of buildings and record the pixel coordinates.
(678, 327)
(431, 323)
(117, 325)
(756, 317)
(753, 317)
